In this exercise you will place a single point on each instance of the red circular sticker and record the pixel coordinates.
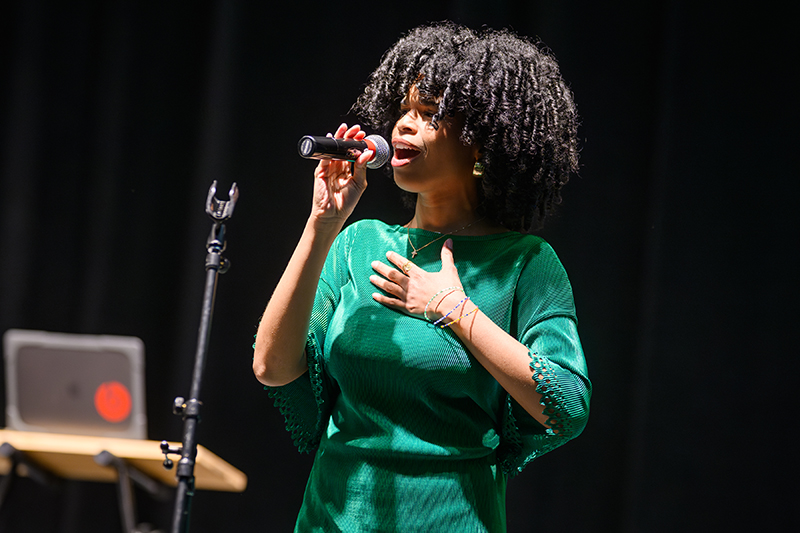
(113, 401)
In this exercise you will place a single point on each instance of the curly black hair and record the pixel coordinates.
(515, 105)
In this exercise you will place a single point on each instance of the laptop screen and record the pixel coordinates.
(75, 384)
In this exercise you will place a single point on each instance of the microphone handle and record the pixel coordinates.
(320, 147)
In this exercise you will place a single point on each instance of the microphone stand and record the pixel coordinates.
(219, 211)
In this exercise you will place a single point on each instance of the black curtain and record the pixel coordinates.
(678, 235)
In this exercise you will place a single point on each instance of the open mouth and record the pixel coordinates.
(403, 153)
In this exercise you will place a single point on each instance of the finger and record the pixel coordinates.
(448, 259)
(397, 260)
(447, 254)
(326, 168)
(364, 158)
(393, 303)
(390, 273)
(340, 131)
(357, 133)
(351, 133)
(389, 287)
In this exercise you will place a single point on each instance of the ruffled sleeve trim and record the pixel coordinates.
(303, 403)
(565, 399)
(510, 447)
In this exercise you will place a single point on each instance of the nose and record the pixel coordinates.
(406, 123)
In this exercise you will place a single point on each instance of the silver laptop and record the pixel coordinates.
(75, 384)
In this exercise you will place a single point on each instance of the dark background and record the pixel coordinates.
(679, 235)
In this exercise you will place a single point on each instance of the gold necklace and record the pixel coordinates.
(416, 250)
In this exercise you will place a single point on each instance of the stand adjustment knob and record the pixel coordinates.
(178, 405)
(166, 449)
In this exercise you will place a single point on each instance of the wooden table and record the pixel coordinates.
(73, 457)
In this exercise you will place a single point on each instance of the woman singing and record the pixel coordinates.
(426, 363)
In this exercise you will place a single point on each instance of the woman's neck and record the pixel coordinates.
(444, 214)
(451, 211)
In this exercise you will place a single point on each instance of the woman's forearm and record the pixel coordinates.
(506, 359)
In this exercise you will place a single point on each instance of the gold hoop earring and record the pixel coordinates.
(478, 169)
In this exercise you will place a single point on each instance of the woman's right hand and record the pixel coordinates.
(338, 185)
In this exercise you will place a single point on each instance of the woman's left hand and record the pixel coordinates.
(410, 288)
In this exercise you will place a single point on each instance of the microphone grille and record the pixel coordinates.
(382, 152)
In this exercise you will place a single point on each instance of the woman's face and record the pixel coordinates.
(426, 158)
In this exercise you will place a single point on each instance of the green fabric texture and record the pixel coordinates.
(411, 433)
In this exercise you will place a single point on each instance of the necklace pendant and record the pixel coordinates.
(413, 254)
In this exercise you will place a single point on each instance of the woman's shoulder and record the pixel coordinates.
(514, 242)
(539, 246)
(540, 252)
(370, 224)
(366, 227)
(526, 251)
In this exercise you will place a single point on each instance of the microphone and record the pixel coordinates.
(317, 147)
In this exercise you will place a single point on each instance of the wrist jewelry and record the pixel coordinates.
(457, 320)
(451, 312)
(451, 289)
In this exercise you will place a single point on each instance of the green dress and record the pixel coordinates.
(411, 433)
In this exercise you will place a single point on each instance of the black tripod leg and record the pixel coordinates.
(8, 481)
(127, 504)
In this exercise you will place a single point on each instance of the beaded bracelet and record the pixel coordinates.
(457, 320)
(450, 312)
(451, 289)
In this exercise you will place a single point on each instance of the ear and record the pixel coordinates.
(477, 151)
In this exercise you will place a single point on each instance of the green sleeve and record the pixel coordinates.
(545, 322)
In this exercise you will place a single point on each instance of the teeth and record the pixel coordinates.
(404, 151)
(404, 146)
